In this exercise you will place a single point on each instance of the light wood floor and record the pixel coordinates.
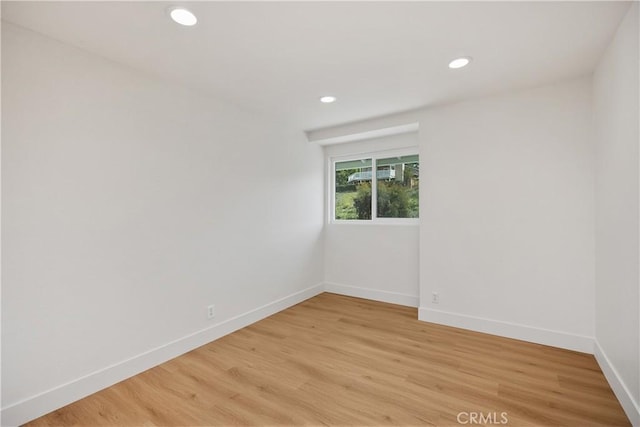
(345, 361)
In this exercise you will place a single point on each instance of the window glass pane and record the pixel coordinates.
(398, 183)
(353, 189)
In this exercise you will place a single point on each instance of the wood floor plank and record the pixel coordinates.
(336, 360)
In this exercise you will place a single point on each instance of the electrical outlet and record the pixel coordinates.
(211, 312)
(435, 298)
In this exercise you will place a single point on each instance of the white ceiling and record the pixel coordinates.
(376, 57)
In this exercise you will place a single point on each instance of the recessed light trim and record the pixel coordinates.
(183, 16)
(328, 99)
(461, 62)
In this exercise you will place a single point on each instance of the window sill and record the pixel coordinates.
(360, 222)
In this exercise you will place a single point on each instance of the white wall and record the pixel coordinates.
(506, 232)
(616, 113)
(128, 206)
(379, 262)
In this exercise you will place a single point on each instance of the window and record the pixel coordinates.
(391, 197)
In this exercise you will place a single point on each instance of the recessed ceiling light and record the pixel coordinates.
(460, 62)
(328, 99)
(183, 17)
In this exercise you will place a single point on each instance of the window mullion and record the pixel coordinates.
(374, 188)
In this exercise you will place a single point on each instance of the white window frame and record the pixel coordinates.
(374, 156)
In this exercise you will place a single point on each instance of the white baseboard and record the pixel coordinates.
(43, 403)
(510, 330)
(373, 294)
(631, 408)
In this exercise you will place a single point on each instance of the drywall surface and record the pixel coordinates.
(506, 230)
(372, 261)
(129, 205)
(616, 113)
(380, 260)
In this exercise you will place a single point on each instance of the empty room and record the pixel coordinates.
(193, 233)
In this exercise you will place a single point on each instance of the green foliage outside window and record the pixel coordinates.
(362, 201)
